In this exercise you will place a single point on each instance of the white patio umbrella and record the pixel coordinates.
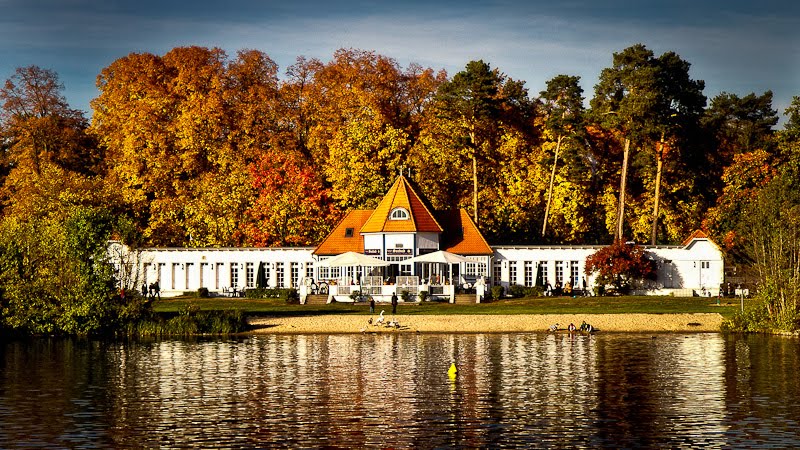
(353, 259)
(350, 259)
(440, 257)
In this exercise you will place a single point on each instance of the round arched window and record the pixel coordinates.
(399, 214)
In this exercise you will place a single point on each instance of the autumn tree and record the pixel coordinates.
(562, 102)
(50, 163)
(649, 101)
(473, 116)
(743, 180)
(471, 99)
(622, 265)
(180, 131)
(355, 119)
(292, 206)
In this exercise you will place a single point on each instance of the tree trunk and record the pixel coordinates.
(550, 187)
(621, 209)
(475, 188)
(659, 168)
(474, 177)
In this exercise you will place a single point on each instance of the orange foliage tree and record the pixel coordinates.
(292, 206)
(621, 264)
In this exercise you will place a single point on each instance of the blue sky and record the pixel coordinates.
(736, 46)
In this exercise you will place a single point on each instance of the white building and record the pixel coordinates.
(400, 228)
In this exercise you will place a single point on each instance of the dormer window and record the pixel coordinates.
(399, 214)
(348, 232)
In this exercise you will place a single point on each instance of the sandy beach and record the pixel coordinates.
(489, 323)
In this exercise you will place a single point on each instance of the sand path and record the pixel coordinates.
(484, 323)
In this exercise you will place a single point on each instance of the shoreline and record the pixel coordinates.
(487, 323)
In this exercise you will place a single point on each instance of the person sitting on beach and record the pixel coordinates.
(553, 328)
(571, 327)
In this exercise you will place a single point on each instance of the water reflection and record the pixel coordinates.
(512, 390)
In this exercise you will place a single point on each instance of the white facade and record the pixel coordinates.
(694, 269)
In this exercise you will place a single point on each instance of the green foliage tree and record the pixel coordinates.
(740, 124)
(564, 120)
(647, 100)
(770, 231)
(55, 277)
(478, 101)
(621, 264)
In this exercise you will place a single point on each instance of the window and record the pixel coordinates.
(705, 264)
(399, 214)
(310, 271)
(249, 274)
(279, 274)
(295, 272)
(529, 274)
(404, 269)
(266, 273)
(543, 269)
(560, 272)
(348, 232)
(576, 273)
(469, 269)
(497, 272)
(234, 275)
(512, 273)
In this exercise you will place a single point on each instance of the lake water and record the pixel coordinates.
(349, 391)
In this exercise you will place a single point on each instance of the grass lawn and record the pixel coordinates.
(533, 305)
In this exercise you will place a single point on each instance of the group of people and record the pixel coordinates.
(569, 289)
(151, 291)
(584, 328)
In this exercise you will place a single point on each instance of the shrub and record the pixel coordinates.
(497, 292)
(423, 296)
(405, 296)
(289, 295)
(189, 321)
(519, 291)
(202, 292)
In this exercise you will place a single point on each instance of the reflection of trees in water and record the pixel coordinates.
(393, 390)
(760, 376)
(663, 390)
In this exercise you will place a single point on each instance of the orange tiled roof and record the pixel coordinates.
(401, 195)
(461, 235)
(696, 234)
(340, 240)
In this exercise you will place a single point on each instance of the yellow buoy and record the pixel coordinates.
(452, 370)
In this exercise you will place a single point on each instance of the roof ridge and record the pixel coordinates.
(422, 203)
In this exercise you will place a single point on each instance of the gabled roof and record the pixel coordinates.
(696, 234)
(461, 235)
(340, 240)
(401, 195)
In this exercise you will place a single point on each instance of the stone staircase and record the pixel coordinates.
(317, 299)
(465, 299)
